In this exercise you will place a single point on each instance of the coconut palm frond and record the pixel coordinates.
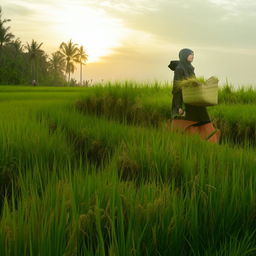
(69, 51)
(5, 35)
(57, 63)
(81, 58)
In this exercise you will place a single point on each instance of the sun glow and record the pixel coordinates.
(93, 29)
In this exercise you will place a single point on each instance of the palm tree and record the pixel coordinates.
(5, 36)
(70, 52)
(57, 64)
(17, 45)
(34, 52)
(81, 59)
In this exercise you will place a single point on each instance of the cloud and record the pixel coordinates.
(195, 22)
(17, 10)
(121, 6)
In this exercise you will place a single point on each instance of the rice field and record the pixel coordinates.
(97, 171)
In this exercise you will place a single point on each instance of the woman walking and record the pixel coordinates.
(192, 119)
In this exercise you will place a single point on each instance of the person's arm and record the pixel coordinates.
(176, 91)
(178, 76)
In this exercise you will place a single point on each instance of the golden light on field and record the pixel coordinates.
(94, 29)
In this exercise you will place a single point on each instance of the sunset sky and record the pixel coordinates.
(136, 39)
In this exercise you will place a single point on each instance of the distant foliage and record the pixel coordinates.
(22, 64)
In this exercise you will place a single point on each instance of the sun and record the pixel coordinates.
(94, 29)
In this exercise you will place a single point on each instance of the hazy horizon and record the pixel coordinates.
(137, 39)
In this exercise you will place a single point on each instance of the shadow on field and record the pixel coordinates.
(85, 146)
(8, 183)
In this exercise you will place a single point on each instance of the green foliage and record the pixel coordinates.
(21, 64)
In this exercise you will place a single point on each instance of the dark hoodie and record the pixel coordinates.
(183, 70)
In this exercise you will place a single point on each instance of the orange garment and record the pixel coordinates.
(205, 131)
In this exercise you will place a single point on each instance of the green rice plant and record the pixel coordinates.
(192, 82)
(96, 214)
(229, 94)
(168, 157)
(155, 192)
(82, 214)
(237, 123)
(154, 110)
(126, 105)
(235, 245)
(88, 136)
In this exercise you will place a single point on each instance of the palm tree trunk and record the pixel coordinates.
(34, 70)
(1, 46)
(68, 71)
(31, 66)
(81, 73)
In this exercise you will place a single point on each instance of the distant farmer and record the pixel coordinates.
(34, 83)
(193, 119)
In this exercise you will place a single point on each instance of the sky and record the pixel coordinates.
(136, 39)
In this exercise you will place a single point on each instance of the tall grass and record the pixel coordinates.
(228, 94)
(84, 185)
(79, 213)
(153, 108)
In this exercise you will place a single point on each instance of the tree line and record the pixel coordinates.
(24, 63)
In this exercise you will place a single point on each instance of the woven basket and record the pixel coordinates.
(203, 94)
